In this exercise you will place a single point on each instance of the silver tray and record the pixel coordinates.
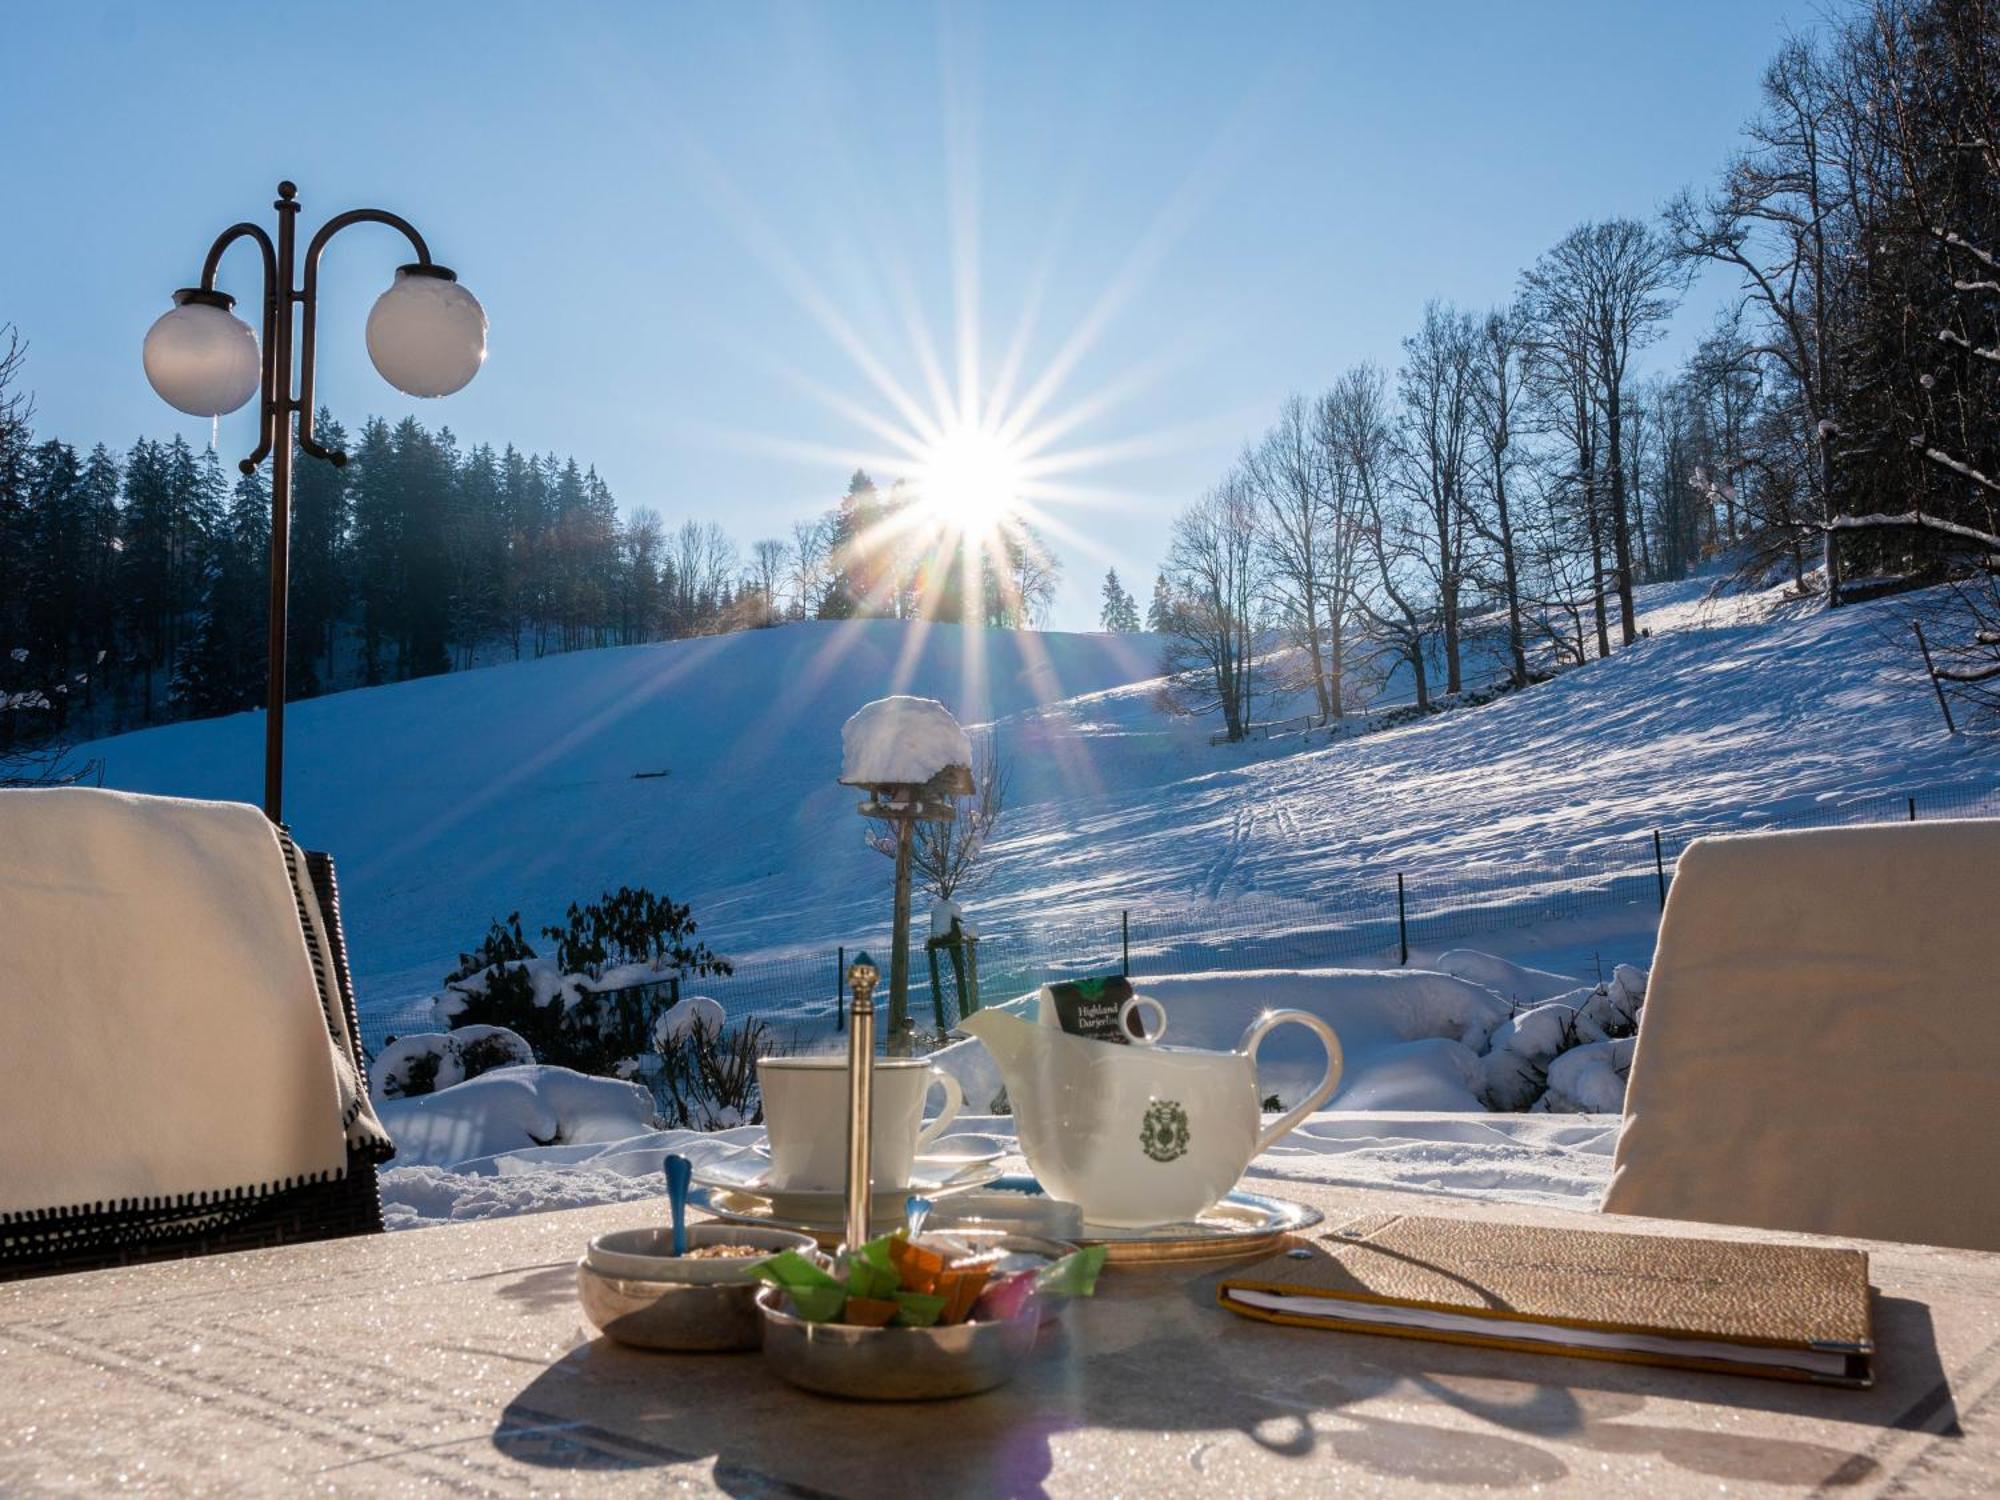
(1241, 1224)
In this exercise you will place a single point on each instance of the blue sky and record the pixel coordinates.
(712, 240)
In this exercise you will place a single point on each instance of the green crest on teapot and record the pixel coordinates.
(1163, 1135)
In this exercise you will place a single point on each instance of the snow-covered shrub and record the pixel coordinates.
(706, 1073)
(1589, 1080)
(511, 1109)
(592, 1005)
(1567, 1055)
(430, 1060)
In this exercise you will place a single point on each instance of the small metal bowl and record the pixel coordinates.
(909, 1364)
(895, 1364)
(698, 1313)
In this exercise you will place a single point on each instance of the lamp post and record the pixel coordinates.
(426, 336)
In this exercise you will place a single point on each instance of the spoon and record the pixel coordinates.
(680, 1172)
(916, 1210)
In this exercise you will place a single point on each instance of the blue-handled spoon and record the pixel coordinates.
(680, 1172)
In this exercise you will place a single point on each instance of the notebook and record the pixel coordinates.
(1790, 1312)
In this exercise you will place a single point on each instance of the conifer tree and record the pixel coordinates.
(1120, 611)
(318, 564)
(221, 667)
(1160, 613)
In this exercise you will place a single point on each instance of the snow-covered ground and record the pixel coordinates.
(708, 769)
(1424, 1051)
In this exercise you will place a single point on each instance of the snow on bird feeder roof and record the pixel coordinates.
(903, 741)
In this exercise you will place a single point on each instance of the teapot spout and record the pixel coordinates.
(1010, 1039)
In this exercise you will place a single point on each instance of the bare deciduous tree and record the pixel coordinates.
(1434, 451)
(1215, 574)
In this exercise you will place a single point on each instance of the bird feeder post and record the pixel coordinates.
(899, 943)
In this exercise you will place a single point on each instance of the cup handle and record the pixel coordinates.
(954, 1101)
(1145, 1038)
(1254, 1038)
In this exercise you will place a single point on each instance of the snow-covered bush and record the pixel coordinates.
(514, 1108)
(591, 1005)
(431, 1060)
(1567, 1055)
(705, 1074)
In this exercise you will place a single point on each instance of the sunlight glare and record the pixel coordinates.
(971, 478)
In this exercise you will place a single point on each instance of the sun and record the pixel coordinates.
(970, 478)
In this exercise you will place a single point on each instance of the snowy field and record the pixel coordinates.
(707, 769)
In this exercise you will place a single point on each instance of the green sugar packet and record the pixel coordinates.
(870, 1271)
(918, 1309)
(816, 1296)
(1075, 1275)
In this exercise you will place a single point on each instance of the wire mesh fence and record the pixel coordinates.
(1379, 916)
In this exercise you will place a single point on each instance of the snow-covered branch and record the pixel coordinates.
(1945, 335)
(1879, 521)
(1958, 466)
(1960, 242)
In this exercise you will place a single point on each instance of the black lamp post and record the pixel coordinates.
(426, 336)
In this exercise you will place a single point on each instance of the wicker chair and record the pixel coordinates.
(318, 1211)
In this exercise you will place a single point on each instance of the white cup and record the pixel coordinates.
(805, 1115)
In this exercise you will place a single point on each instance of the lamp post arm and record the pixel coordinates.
(271, 413)
(309, 296)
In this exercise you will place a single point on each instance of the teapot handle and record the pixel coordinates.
(1321, 1091)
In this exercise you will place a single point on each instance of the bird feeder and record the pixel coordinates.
(912, 758)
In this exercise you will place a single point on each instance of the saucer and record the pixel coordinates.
(944, 1155)
(745, 1173)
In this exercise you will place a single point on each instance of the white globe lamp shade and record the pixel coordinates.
(201, 357)
(427, 334)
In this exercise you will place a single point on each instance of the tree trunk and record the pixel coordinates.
(1621, 526)
(1334, 650)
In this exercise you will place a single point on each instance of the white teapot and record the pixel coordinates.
(1140, 1134)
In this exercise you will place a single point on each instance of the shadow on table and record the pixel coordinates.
(1163, 1358)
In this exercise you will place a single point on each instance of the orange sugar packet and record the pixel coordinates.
(869, 1312)
(960, 1287)
(919, 1268)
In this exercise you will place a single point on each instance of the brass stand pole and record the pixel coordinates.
(860, 1098)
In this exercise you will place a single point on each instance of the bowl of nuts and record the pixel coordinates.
(635, 1290)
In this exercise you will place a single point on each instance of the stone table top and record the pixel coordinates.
(455, 1360)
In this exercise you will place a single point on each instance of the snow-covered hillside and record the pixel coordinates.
(707, 768)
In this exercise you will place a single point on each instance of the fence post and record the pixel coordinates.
(1660, 868)
(1402, 920)
(839, 979)
(1125, 942)
(1913, 809)
(1936, 686)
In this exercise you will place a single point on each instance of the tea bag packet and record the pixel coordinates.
(1089, 1007)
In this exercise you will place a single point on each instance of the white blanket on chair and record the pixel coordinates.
(162, 1028)
(1821, 1038)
